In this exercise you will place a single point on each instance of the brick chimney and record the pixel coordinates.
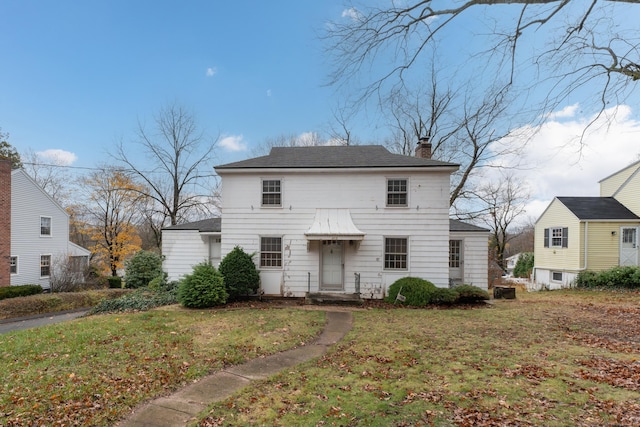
(423, 150)
(5, 221)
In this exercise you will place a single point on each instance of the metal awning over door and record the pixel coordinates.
(333, 224)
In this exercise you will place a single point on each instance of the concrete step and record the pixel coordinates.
(332, 298)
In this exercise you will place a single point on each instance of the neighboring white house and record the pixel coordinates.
(338, 219)
(185, 245)
(39, 233)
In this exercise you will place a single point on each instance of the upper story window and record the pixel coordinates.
(271, 192)
(556, 237)
(397, 192)
(45, 226)
(13, 265)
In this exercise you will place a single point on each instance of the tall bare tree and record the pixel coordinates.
(561, 47)
(174, 160)
(500, 202)
(51, 174)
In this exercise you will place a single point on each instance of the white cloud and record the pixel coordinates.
(211, 71)
(57, 157)
(559, 163)
(351, 13)
(233, 143)
(566, 112)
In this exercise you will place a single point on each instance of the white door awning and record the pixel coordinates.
(333, 224)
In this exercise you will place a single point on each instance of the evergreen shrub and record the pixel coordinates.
(240, 274)
(115, 282)
(524, 265)
(142, 268)
(202, 288)
(627, 277)
(416, 291)
(19, 291)
(470, 293)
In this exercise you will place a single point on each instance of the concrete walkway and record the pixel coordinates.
(182, 407)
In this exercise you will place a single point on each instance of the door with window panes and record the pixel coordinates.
(629, 246)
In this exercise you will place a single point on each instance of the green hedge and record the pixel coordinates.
(19, 291)
(614, 278)
(419, 293)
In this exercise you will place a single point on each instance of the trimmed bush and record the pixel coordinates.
(142, 268)
(114, 282)
(470, 293)
(614, 278)
(202, 288)
(138, 300)
(240, 274)
(19, 291)
(416, 292)
(444, 296)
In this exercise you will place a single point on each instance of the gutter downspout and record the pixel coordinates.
(586, 244)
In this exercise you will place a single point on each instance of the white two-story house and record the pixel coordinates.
(34, 237)
(345, 219)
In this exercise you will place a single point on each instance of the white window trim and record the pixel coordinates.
(262, 205)
(17, 265)
(551, 244)
(50, 265)
(386, 191)
(384, 253)
(556, 280)
(271, 267)
(50, 226)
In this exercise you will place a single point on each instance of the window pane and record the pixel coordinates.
(45, 226)
(45, 265)
(271, 192)
(14, 265)
(556, 237)
(397, 192)
(395, 254)
(270, 252)
(454, 253)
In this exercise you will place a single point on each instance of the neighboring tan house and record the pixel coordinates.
(589, 233)
(38, 232)
(185, 245)
(336, 219)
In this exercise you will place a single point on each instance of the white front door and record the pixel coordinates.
(629, 246)
(331, 279)
(456, 261)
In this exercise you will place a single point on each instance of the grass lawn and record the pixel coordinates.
(94, 370)
(559, 358)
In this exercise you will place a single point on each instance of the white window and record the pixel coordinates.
(397, 192)
(271, 252)
(556, 237)
(271, 192)
(45, 226)
(14, 265)
(395, 253)
(45, 265)
(454, 253)
(556, 276)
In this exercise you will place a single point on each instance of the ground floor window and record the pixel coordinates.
(454, 253)
(45, 265)
(395, 253)
(271, 252)
(556, 276)
(14, 265)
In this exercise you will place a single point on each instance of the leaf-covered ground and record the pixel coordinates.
(546, 359)
(93, 371)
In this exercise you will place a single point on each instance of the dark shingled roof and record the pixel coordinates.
(203, 226)
(455, 225)
(597, 208)
(351, 156)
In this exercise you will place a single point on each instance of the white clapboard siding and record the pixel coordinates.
(424, 223)
(28, 203)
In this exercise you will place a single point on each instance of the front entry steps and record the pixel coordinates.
(327, 298)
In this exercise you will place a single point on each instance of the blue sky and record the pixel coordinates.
(77, 76)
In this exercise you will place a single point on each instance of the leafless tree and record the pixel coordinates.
(561, 47)
(175, 163)
(500, 203)
(307, 139)
(51, 174)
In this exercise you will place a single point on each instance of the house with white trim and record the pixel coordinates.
(340, 219)
(575, 234)
(35, 232)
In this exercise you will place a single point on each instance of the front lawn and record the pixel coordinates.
(546, 359)
(94, 370)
